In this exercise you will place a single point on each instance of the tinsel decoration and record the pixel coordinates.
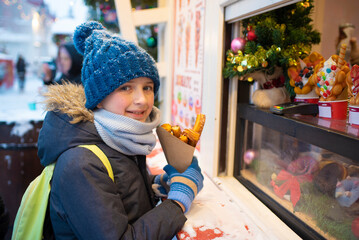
(277, 38)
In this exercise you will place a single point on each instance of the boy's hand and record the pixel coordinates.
(185, 186)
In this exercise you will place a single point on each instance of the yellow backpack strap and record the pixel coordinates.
(99, 153)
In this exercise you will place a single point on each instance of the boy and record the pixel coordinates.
(113, 110)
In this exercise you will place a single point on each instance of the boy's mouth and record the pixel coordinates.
(137, 115)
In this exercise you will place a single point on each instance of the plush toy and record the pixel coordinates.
(272, 90)
(347, 191)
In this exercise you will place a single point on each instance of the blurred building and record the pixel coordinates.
(25, 29)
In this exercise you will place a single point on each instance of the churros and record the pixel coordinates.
(199, 124)
(189, 136)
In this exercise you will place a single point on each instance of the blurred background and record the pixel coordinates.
(32, 34)
(35, 29)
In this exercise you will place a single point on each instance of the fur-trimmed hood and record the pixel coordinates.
(70, 99)
(67, 124)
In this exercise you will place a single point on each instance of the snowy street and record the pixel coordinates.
(24, 106)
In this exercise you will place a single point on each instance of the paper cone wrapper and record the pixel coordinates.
(178, 154)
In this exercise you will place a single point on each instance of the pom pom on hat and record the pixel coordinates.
(82, 32)
(110, 61)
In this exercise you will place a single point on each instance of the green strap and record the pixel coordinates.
(30, 216)
(98, 152)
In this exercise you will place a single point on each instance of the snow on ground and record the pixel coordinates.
(16, 106)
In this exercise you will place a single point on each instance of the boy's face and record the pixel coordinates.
(133, 99)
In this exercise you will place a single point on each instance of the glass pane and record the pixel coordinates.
(147, 36)
(319, 187)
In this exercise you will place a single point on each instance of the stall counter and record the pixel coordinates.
(216, 214)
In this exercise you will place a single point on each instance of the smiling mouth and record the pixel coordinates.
(138, 115)
(136, 112)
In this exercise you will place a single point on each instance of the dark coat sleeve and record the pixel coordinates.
(86, 202)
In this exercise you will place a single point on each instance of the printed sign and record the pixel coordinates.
(187, 62)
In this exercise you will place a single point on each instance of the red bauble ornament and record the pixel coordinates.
(238, 44)
(251, 35)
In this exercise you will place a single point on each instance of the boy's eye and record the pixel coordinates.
(125, 88)
(148, 88)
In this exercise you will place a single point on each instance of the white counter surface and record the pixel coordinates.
(225, 210)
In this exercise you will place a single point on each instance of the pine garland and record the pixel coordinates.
(282, 37)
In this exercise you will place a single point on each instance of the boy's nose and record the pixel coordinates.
(139, 96)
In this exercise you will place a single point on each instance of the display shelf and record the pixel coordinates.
(334, 135)
(297, 146)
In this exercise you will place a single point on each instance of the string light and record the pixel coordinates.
(35, 22)
(23, 15)
(8, 3)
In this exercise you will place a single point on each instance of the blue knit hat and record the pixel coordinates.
(110, 61)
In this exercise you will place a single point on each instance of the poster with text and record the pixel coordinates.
(188, 62)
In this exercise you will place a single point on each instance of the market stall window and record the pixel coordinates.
(303, 167)
(319, 187)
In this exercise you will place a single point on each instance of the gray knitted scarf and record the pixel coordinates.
(127, 135)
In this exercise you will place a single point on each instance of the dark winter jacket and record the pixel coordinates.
(84, 202)
(4, 219)
(21, 65)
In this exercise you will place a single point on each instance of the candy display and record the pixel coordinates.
(300, 74)
(330, 76)
(352, 80)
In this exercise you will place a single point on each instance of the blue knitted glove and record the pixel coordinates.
(185, 186)
(161, 185)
